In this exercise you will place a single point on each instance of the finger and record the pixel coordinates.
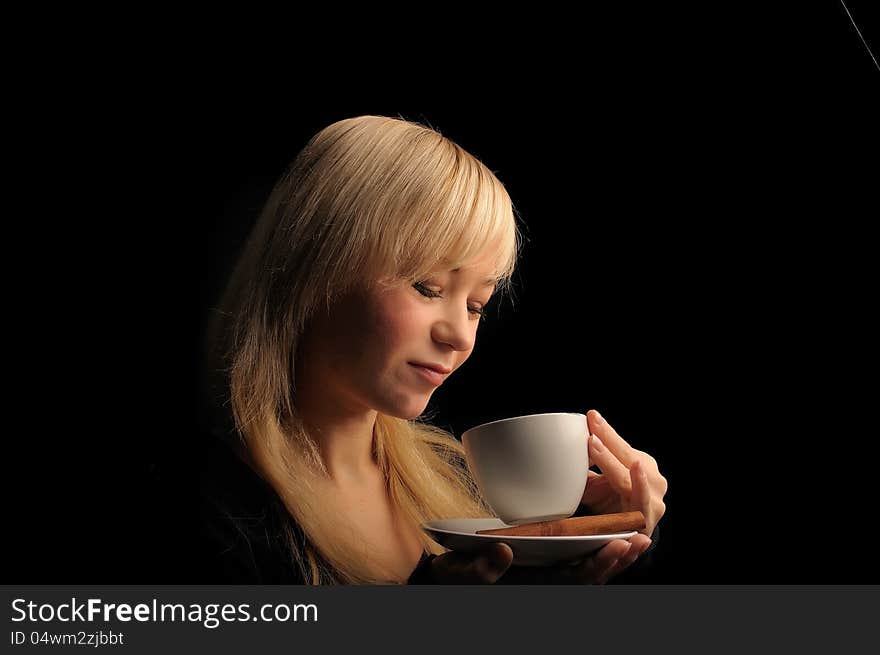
(496, 560)
(483, 567)
(641, 494)
(613, 469)
(600, 497)
(594, 569)
(591, 481)
(613, 441)
(604, 574)
(640, 544)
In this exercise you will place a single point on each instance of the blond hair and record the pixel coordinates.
(370, 198)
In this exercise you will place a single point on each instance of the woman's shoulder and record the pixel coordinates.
(243, 527)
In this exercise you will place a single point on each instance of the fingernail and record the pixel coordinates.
(596, 443)
(598, 417)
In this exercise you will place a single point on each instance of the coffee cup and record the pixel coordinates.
(530, 468)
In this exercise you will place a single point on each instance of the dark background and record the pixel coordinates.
(696, 190)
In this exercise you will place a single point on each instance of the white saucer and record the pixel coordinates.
(460, 534)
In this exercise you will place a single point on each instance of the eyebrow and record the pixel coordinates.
(486, 282)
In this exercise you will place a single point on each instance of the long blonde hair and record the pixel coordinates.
(368, 198)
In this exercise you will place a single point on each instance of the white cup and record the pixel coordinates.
(530, 468)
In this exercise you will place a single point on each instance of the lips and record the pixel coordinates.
(439, 368)
(429, 375)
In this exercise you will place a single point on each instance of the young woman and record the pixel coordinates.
(373, 259)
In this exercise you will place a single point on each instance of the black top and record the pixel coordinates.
(240, 525)
(241, 531)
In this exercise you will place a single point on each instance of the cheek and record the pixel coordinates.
(397, 328)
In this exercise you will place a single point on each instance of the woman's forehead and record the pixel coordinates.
(488, 281)
(485, 263)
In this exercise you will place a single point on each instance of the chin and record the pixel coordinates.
(411, 415)
(408, 411)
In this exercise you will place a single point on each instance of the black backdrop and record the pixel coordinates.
(696, 197)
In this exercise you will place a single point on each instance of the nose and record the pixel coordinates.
(456, 329)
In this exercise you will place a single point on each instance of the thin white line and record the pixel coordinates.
(859, 32)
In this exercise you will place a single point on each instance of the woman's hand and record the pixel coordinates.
(483, 567)
(629, 481)
(493, 564)
(596, 568)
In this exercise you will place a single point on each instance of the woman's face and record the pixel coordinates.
(361, 354)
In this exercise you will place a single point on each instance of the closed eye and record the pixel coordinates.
(430, 293)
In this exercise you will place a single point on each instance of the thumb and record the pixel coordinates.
(482, 567)
(495, 561)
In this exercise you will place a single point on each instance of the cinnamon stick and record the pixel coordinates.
(576, 526)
